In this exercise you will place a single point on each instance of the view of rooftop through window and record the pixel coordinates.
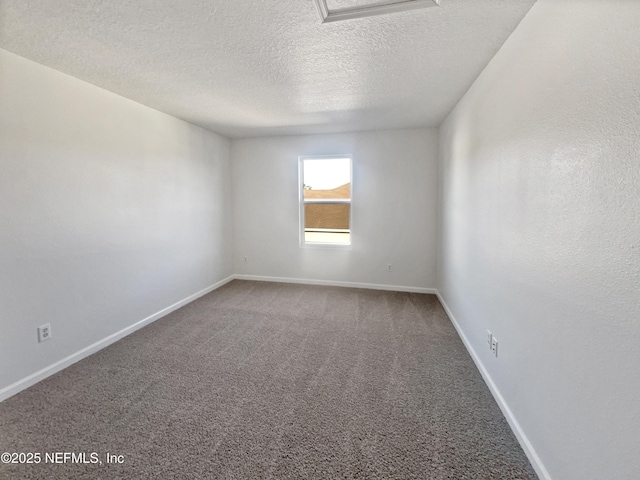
(327, 200)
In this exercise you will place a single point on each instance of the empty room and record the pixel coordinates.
(318, 239)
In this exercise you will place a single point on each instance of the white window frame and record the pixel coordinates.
(302, 201)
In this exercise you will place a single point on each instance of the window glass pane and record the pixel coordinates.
(327, 216)
(343, 191)
(327, 222)
(327, 178)
(327, 237)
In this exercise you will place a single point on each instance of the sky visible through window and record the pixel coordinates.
(326, 174)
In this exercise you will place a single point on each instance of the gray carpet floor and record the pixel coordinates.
(268, 380)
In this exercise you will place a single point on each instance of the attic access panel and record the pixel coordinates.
(335, 10)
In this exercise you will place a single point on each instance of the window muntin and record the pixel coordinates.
(325, 200)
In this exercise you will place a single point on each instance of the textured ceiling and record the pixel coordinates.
(258, 67)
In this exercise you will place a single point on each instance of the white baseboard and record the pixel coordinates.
(526, 445)
(333, 283)
(34, 378)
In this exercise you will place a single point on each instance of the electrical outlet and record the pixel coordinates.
(44, 332)
(245, 259)
(494, 346)
(389, 268)
(489, 338)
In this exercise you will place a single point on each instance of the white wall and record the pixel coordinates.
(540, 231)
(394, 201)
(109, 212)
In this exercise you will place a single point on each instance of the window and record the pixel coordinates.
(325, 200)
